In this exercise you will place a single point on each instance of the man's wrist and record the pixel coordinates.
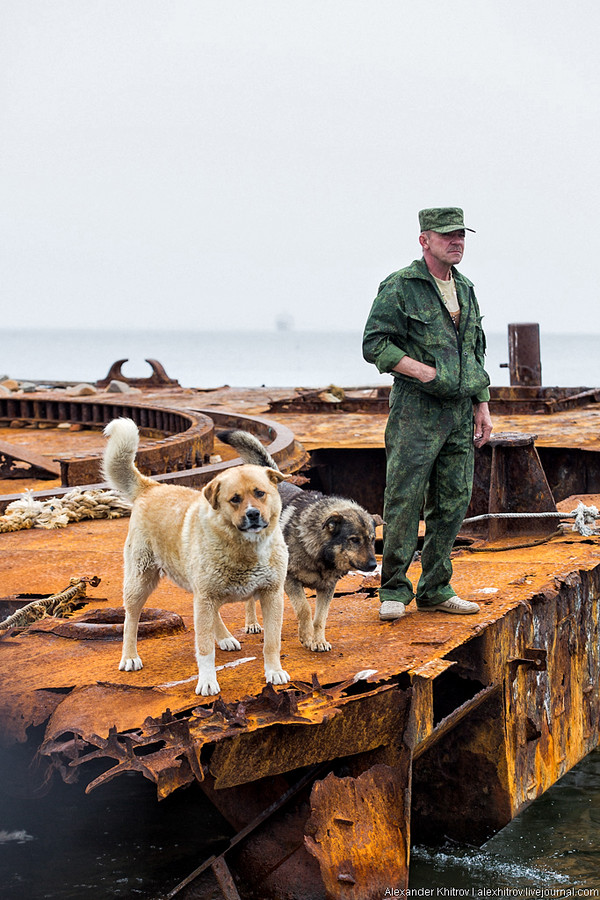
(415, 369)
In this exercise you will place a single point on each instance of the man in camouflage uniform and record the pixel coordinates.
(425, 329)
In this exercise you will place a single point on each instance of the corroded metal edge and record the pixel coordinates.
(283, 447)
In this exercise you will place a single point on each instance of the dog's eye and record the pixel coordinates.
(353, 539)
(235, 499)
(259, 494)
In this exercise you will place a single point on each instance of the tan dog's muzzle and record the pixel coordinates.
(252, 520)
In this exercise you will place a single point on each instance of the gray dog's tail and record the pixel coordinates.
(249, 448)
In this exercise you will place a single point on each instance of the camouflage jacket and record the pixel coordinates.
(408, 318)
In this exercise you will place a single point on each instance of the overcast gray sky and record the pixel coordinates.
(217, 163)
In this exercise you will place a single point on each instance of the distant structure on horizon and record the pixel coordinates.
(284, 322)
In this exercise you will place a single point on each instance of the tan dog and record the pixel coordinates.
(223, 544)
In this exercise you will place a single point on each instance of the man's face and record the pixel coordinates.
(446, 249)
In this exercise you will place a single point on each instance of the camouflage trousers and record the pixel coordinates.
(429, 448)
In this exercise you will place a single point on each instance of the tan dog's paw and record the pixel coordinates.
(253, 628)
(229, 643)
(276, 676)
(207, 686)
(320, 646)
(130, 664)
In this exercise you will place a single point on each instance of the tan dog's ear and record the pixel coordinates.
(211, 492)
(275, 475)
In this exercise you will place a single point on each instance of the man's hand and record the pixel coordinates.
(415, 369)
(483, 424)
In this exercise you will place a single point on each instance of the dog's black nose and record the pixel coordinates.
(253, 515)
(371, 564)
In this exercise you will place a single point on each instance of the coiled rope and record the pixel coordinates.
(61, 604)
(57, 512)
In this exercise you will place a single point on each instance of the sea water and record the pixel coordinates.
(118, 841)
(550, 850)
(210, 359)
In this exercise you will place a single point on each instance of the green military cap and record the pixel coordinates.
(443, 219)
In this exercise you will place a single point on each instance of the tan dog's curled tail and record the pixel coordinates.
(118, 467)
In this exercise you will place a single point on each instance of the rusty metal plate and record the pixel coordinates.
(79, 683)
(358, 832)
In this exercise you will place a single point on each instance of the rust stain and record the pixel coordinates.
(357, 831)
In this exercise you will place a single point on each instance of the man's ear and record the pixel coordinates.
(211, 492)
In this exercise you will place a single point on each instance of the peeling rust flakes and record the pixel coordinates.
(177, 761)
(172, 765)
(168, 767)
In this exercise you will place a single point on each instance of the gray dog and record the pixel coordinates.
(326, 537)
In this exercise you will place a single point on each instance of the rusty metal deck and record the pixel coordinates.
(481, 712)
(42, 562)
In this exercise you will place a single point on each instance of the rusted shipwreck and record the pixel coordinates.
(393, 735)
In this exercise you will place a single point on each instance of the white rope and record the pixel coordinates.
(57, 512)
(583, 516)
(523, 515)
